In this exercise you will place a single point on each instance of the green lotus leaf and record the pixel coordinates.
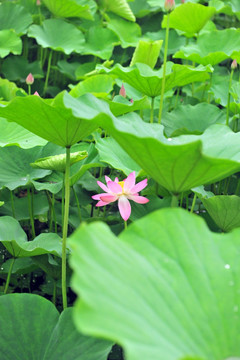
(20, 266)
(119, 7)
(149, 82)
(68, 38)
(185, 306)
(68, 9)
(95, 37)
(18, 68)
(127, 32)
(14, 17)
(40, 205)
(189, 18)
(228, 7)
(224, 210)
(98, 85)
(188, 119)
(14, 134)
(51, 120)
(147, 52)
(15, 168)
(213, 47)
(27, 316)
(111, 153)
(15, 241)
(10, 42)
(182, 163)
(84, 69)
(9, 90)
(53, 183)
(119, 105)
(91, 161)
(58, 162)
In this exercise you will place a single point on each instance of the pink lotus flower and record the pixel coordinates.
(30, 79)
(169, 5)
(234, 64)
(122, 91)
(36, 93)
(123, 191)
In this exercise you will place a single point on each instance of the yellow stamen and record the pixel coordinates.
(121, 183)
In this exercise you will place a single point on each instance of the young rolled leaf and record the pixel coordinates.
(147, 52)
(58, 162)
(26, 316)
(119, 7)
(186, 304)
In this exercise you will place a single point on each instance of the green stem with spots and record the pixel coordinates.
(229, 96)
(164, 69)
(12, 204)
(65, 228)
(9, 275)
(193, 202)
(30, 209)
(152, 110)
(48, 71)
(174, 202)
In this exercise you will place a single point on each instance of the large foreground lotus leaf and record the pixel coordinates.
(15, 241)
(51, 120)
(24, 334)
(14, 134)
(189, 18)
(213, 47)
(170, 285)
(224, 210)
(149, 82)
(180, 163)
(68, 9)
(68, 38)
(15, 166)
(14, 16)
(10, 42)
(190, 119)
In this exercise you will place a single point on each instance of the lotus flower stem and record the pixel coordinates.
(193, 202)
(164, 68)
(152, 110)
(229, 96)
(125, 224)
(78, 205)
(12, 204)
(65, 228)
(9, 275)
(237, 188)
(48, 71)
(30, 209)
(54, 292)
(174, 201)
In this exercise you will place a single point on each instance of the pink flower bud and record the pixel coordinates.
(36, 93)
(30, 79)
(234, 64)
(38, 2)
(182, 1)
(169, 5)
(122, 91)
(131, 101)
